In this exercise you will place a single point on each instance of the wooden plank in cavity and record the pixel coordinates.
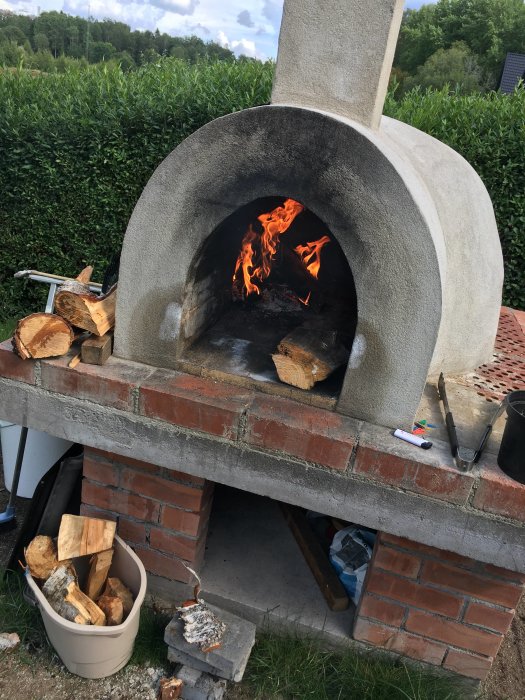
(97, 349)
(324, 573)
(79, 535)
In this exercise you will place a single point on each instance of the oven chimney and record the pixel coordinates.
(336, 56)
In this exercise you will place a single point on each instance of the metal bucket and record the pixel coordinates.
(511, 455)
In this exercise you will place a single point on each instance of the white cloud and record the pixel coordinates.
(240, 47)
(244, 47)
(222, 40)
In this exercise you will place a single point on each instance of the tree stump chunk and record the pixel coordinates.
(42, 335)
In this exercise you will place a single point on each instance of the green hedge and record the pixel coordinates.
(77, 149)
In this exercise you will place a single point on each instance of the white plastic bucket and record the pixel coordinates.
(92, 651)
(41, 452)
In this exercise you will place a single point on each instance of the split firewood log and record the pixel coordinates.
(116, 589)
(65, 597)
(79, 535)
(112, 608)
(42, 335)
(41, 557)
(306, 356)
(170, 688)
(100, 564)
(83, 309)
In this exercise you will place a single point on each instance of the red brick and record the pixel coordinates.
(13, 367)
(169, 492)
(312, 434)
(454, 633)
(112, 457)
(165, 472)
(120, 502)
(503, 573)
(467, 664)
(399, 641)
(397, 562)
(471, 584)
(183, 547)
(132, 531)
(383, 610)
(109, 385)
(413, 594)
(491, 618)
(497, 493)
(185, 522)
(194, 402)
(437, 481)
(426, 551)
(164, 565)
(104, 472)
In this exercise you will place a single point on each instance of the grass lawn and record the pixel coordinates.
(280, 667)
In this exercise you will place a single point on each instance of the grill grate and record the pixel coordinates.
(506, 373)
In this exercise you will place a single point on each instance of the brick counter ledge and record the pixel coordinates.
(157, 440)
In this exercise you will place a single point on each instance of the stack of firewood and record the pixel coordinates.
(102, 600)
(77, 312)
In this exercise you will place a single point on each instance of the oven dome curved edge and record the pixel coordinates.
(372, 199)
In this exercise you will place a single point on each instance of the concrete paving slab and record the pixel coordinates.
(253, 566)
(228, 661)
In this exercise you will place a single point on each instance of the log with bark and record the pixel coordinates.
(83, 309)
(65, 597)
(42, 335)
(41, 557)
(308, 355)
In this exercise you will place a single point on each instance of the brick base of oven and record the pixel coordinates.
(161, 513)
(425, 603)
(436, 606)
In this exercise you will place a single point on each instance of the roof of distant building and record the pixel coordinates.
(513, 71)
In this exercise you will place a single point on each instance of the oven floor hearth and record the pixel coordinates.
(254, 568)
(238, 349)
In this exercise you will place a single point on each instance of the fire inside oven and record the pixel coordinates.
(271, 297)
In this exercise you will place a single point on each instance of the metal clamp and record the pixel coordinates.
(464, 457)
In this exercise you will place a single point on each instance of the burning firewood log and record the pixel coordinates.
(76, 303)
(42, 335)
(306, 356)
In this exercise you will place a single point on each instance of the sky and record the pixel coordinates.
(249, 27)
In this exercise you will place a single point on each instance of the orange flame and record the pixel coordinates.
(245, 261)
(274, 224)
(310, 255)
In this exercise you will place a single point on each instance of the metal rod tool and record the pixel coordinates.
(464, 457)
